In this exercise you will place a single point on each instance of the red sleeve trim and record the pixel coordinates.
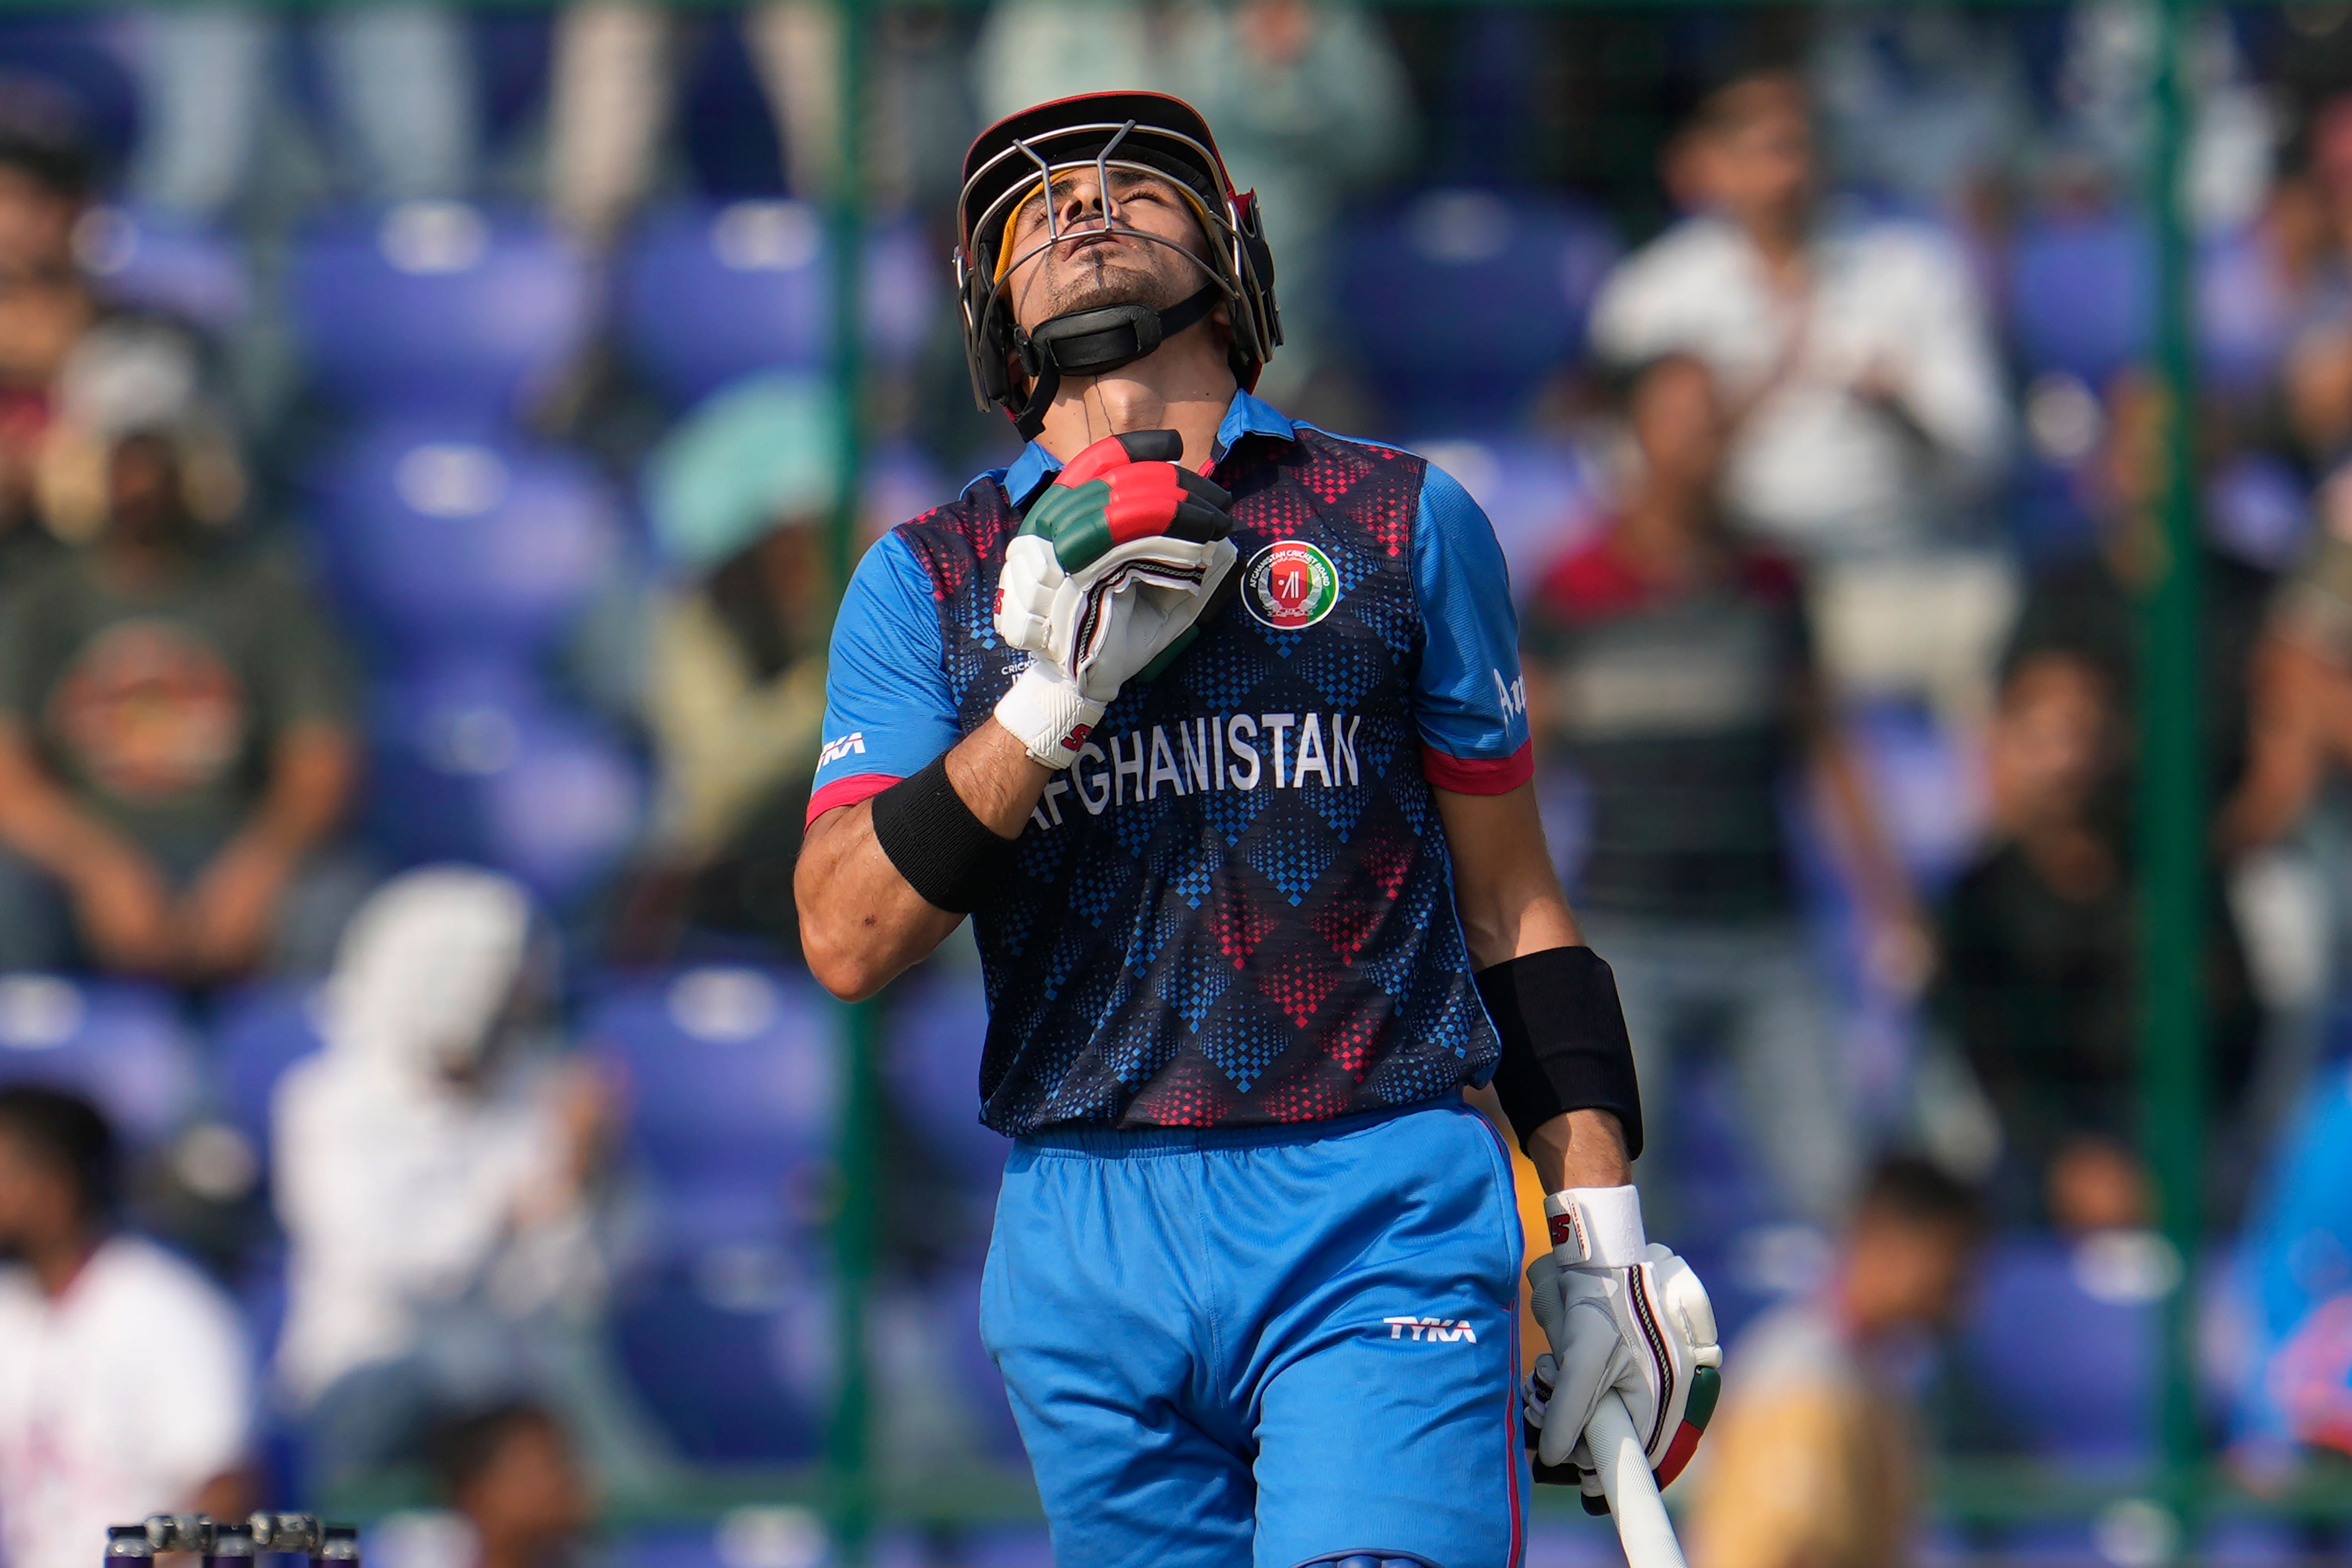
(1479, 775)
(847, 792)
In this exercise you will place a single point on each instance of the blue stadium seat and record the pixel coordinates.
(932, 1064)
(1538, 493)
(475, 763)
(2082, 294)
(2063, 1339)
(977, 1379)
(1464, 301)
(1925, 787)
(75, 70)
(732, 1093)
(710, 292)
(258, 1034)
(2079, 292)
(2245, 315)
(732, 1355)
(449, 550)
(162, 263)
(123, 1046)
(439, 308)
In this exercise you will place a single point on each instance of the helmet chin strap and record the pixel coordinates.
(1089, 342)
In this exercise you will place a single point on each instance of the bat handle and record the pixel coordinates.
(1643, 1527)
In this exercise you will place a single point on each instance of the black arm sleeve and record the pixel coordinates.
(946, 853)
(1564, 1042)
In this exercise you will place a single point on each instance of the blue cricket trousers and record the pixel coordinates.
(1266, 1346)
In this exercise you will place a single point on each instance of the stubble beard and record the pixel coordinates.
(1099, 279)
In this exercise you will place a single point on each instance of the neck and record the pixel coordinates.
(1183, 385)
(57, 1263)
(1664, 534)
(1779, 236)
(136, 563)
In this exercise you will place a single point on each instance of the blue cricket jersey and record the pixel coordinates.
(1236, 907)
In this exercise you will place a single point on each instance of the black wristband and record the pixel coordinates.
(1564, 1042)
(946, 853)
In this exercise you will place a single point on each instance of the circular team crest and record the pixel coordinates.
(1290, 585)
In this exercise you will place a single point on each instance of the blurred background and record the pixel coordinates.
(431, 442)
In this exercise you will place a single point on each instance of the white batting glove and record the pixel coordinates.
(1090, 631)
(1622, 1315)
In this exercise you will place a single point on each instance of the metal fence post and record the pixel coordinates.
(849, 1440)
(2172, 849)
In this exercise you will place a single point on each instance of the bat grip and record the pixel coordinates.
(1643, 1527)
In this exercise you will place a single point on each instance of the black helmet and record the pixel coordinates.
(1146, 133)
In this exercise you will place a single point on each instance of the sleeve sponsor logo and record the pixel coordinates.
(852, 744)
(1512, 695)
(1290, 585)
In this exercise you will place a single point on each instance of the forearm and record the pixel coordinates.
(312, 777)
(862, 925)
(1511, 904)
(1880, 880)
(42, 823)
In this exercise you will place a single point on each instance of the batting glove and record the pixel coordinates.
(1111, 575)
(1621, 1316)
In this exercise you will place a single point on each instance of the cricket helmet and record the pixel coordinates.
(1143, 132)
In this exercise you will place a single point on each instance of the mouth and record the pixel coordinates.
(1090, 241)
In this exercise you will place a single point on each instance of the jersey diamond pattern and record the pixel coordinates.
(1175, 950)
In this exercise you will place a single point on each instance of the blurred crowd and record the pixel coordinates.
(419, 461)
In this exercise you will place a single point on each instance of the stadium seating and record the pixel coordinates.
(931, 1066)
(256, 1035)
(732, 1089)
(463, 550)
(1540, 493)
(2062, 1339)
(64, 67)
(1462, 302)
(2079, 292)
(121, 1045)
(2082, 294)
(710, 292)
(732, 1354)
(476, 763)
(155, 262)
(441, 308)
(1924, 786)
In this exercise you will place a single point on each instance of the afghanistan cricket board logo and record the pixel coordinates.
(1291, 585)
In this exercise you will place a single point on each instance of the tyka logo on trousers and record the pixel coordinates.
(1432, 1330)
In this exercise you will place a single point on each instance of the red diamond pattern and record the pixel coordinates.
(1298, 982)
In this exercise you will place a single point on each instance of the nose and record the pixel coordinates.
(1082, 204)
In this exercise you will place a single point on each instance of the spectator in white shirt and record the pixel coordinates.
(126, 1388)
(1857, 354)
(434, 1179)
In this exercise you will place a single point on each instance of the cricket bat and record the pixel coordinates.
(1643, 1527)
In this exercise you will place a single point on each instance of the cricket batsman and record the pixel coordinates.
(1212, 724)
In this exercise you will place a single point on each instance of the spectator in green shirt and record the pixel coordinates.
(176, 744)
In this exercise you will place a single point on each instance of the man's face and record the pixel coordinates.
(2050, 741)
(1091, 267)
(531, 1493)
(37, 227)
(36, 1200)
(1678, 424)
(144, 499)
(1905, 1273)
(1755, 163)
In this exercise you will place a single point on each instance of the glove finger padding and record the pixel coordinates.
(1646, 1333)
(1134, 609)
(1026, 590)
